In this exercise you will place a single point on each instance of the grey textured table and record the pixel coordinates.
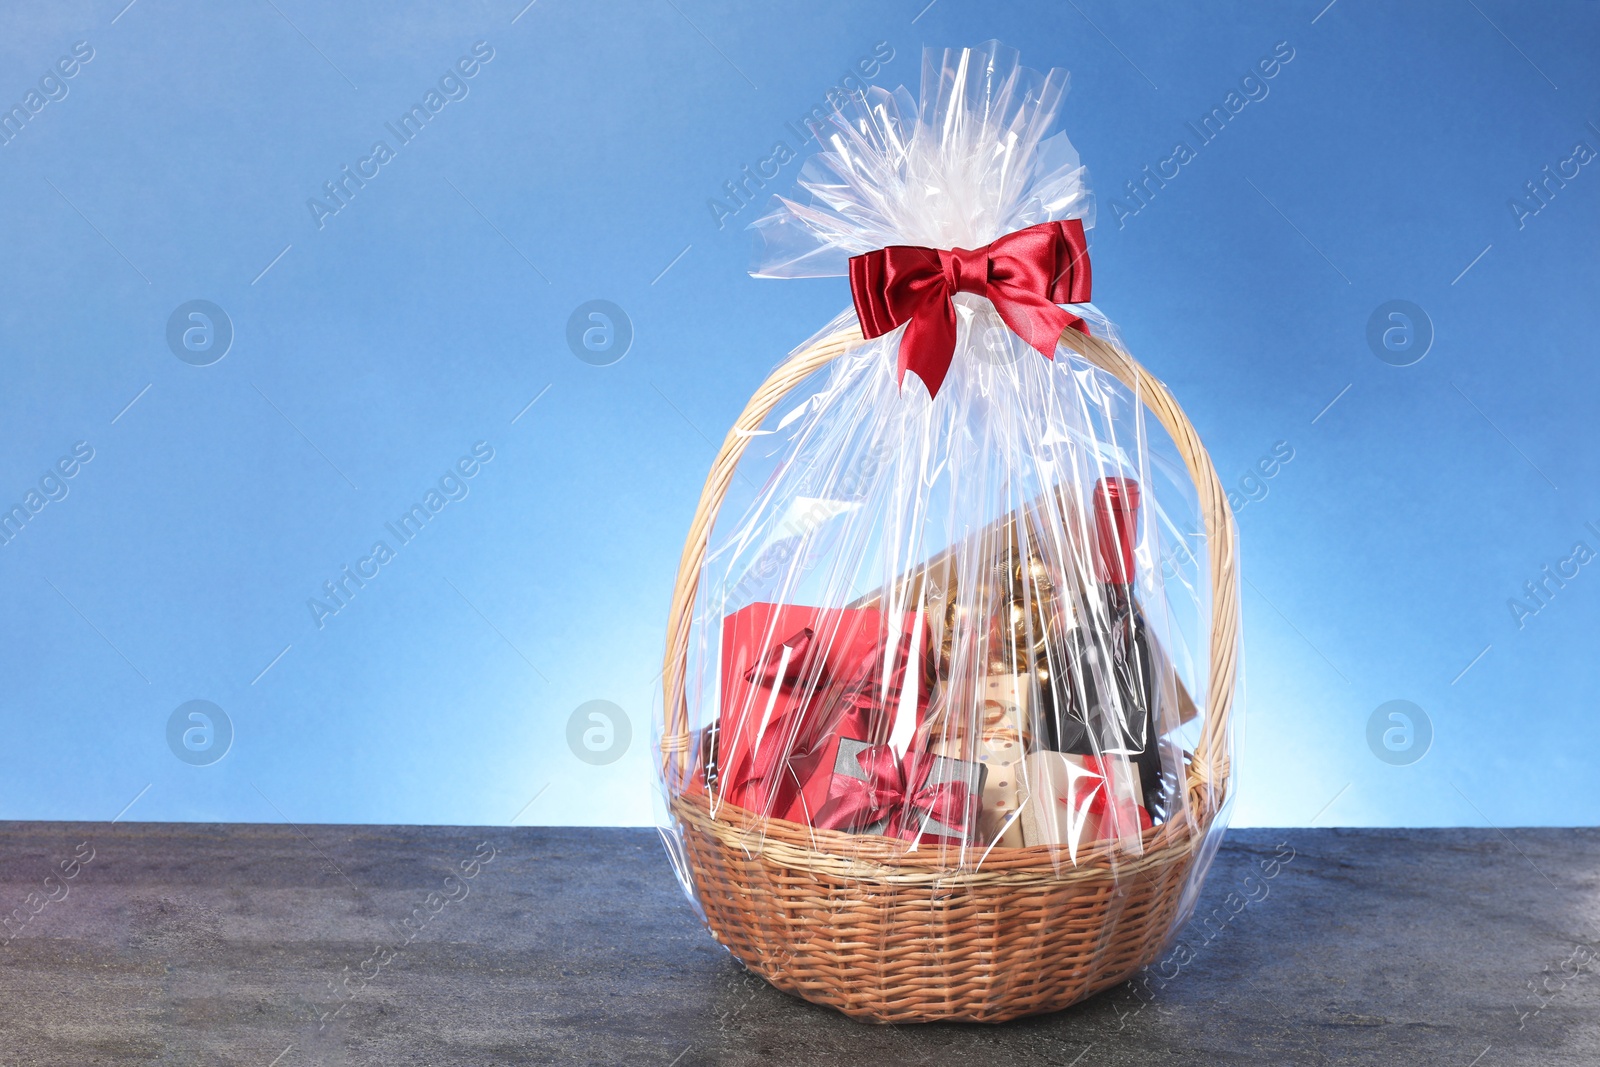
(272, 945)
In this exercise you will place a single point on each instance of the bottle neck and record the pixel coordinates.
(1116, 524)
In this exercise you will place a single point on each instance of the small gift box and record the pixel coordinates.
(1075, 800)
(923, 798)
(794, 681)
(1001, 743)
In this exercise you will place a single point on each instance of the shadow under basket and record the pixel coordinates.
(855, 922)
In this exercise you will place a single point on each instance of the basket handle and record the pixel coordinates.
(1210, 762)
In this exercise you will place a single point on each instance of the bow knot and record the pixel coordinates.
(1026, 274)
(966, 270)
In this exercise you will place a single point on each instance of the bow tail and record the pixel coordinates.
(928, 344)
(1034, 319)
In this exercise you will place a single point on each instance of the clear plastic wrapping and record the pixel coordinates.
(961, 621)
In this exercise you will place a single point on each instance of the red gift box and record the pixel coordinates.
(794, 680)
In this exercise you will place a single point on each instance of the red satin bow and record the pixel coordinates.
(887, 794)
(1026, 274)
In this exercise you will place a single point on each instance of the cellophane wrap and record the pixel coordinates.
(915, 619)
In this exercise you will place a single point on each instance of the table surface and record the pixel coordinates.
(278, 946)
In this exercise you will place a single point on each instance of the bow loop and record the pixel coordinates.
(797, 657)
(1025, 274)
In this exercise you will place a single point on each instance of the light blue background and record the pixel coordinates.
(426, 314)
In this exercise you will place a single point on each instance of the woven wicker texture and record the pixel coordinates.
(852, 921)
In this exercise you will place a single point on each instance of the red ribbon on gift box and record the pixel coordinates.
(804, 659)
(888, 794)
(1101, 803)
(785, 753)
(824, 693)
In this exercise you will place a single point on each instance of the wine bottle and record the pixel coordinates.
(1116, 522)
(1104, 694)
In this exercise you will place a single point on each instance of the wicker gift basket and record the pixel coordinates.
(984, 919)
